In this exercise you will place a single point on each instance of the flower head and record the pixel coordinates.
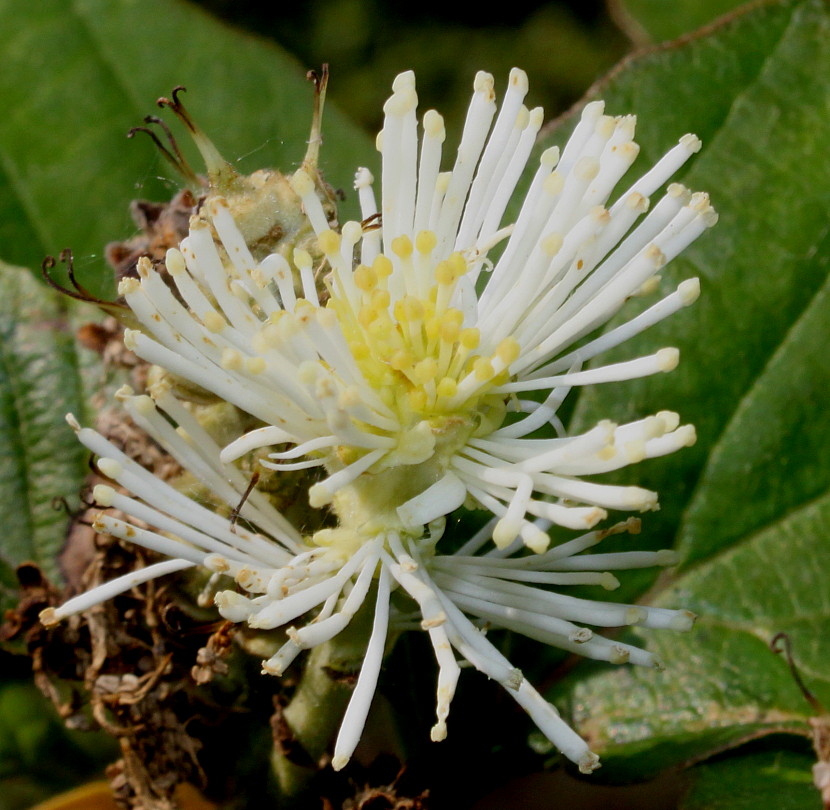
(405, 377)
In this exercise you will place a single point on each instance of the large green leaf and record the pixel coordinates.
(656, 20)
(40, 459)
(765, 780)
(78, 74)
(748, 506)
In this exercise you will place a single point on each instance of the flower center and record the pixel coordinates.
(409, 343)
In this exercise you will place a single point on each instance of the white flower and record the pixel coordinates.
(404, 382)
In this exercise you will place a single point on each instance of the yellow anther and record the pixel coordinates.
(267, 338)
(174, 261)
(448, 387)
(381, 330)
(255, 365)
(470, 338)
(302, 258)
(308, 372)
(483, 369)
(552, 244)
(432, 328)
(382, 265)
(458, 264)
(418, 400)
(365, 278)
(413, 308)
(352, 232)
(304, 308)
(214, 321)
(231, 359)
(449, 331)
(359, 350)
(402, 246)
(302, 183)
(508, 350)
(425, 370)
(367, 316)
(401, 360)
(128, 286)
(380, 299)
(444, 273)
(425, 242)
(455, 316)
(329, 242)
(144, 267)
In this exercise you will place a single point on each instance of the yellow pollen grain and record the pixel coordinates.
(329, 242)
(402, 246)
(214, 322)
(508, 350)
(425, 242)
(382, 265)
(365, 278)
(470, 338)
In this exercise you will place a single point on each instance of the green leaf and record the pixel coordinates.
(40, 459)
(768, 780)
(749, 506)
(656, 20)
(78, 74)
(38, 756)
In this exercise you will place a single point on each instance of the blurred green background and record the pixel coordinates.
(563, 45)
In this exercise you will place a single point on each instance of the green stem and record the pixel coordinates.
(310, 722)
(311, 719)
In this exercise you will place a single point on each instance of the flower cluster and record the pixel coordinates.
(417, 378)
